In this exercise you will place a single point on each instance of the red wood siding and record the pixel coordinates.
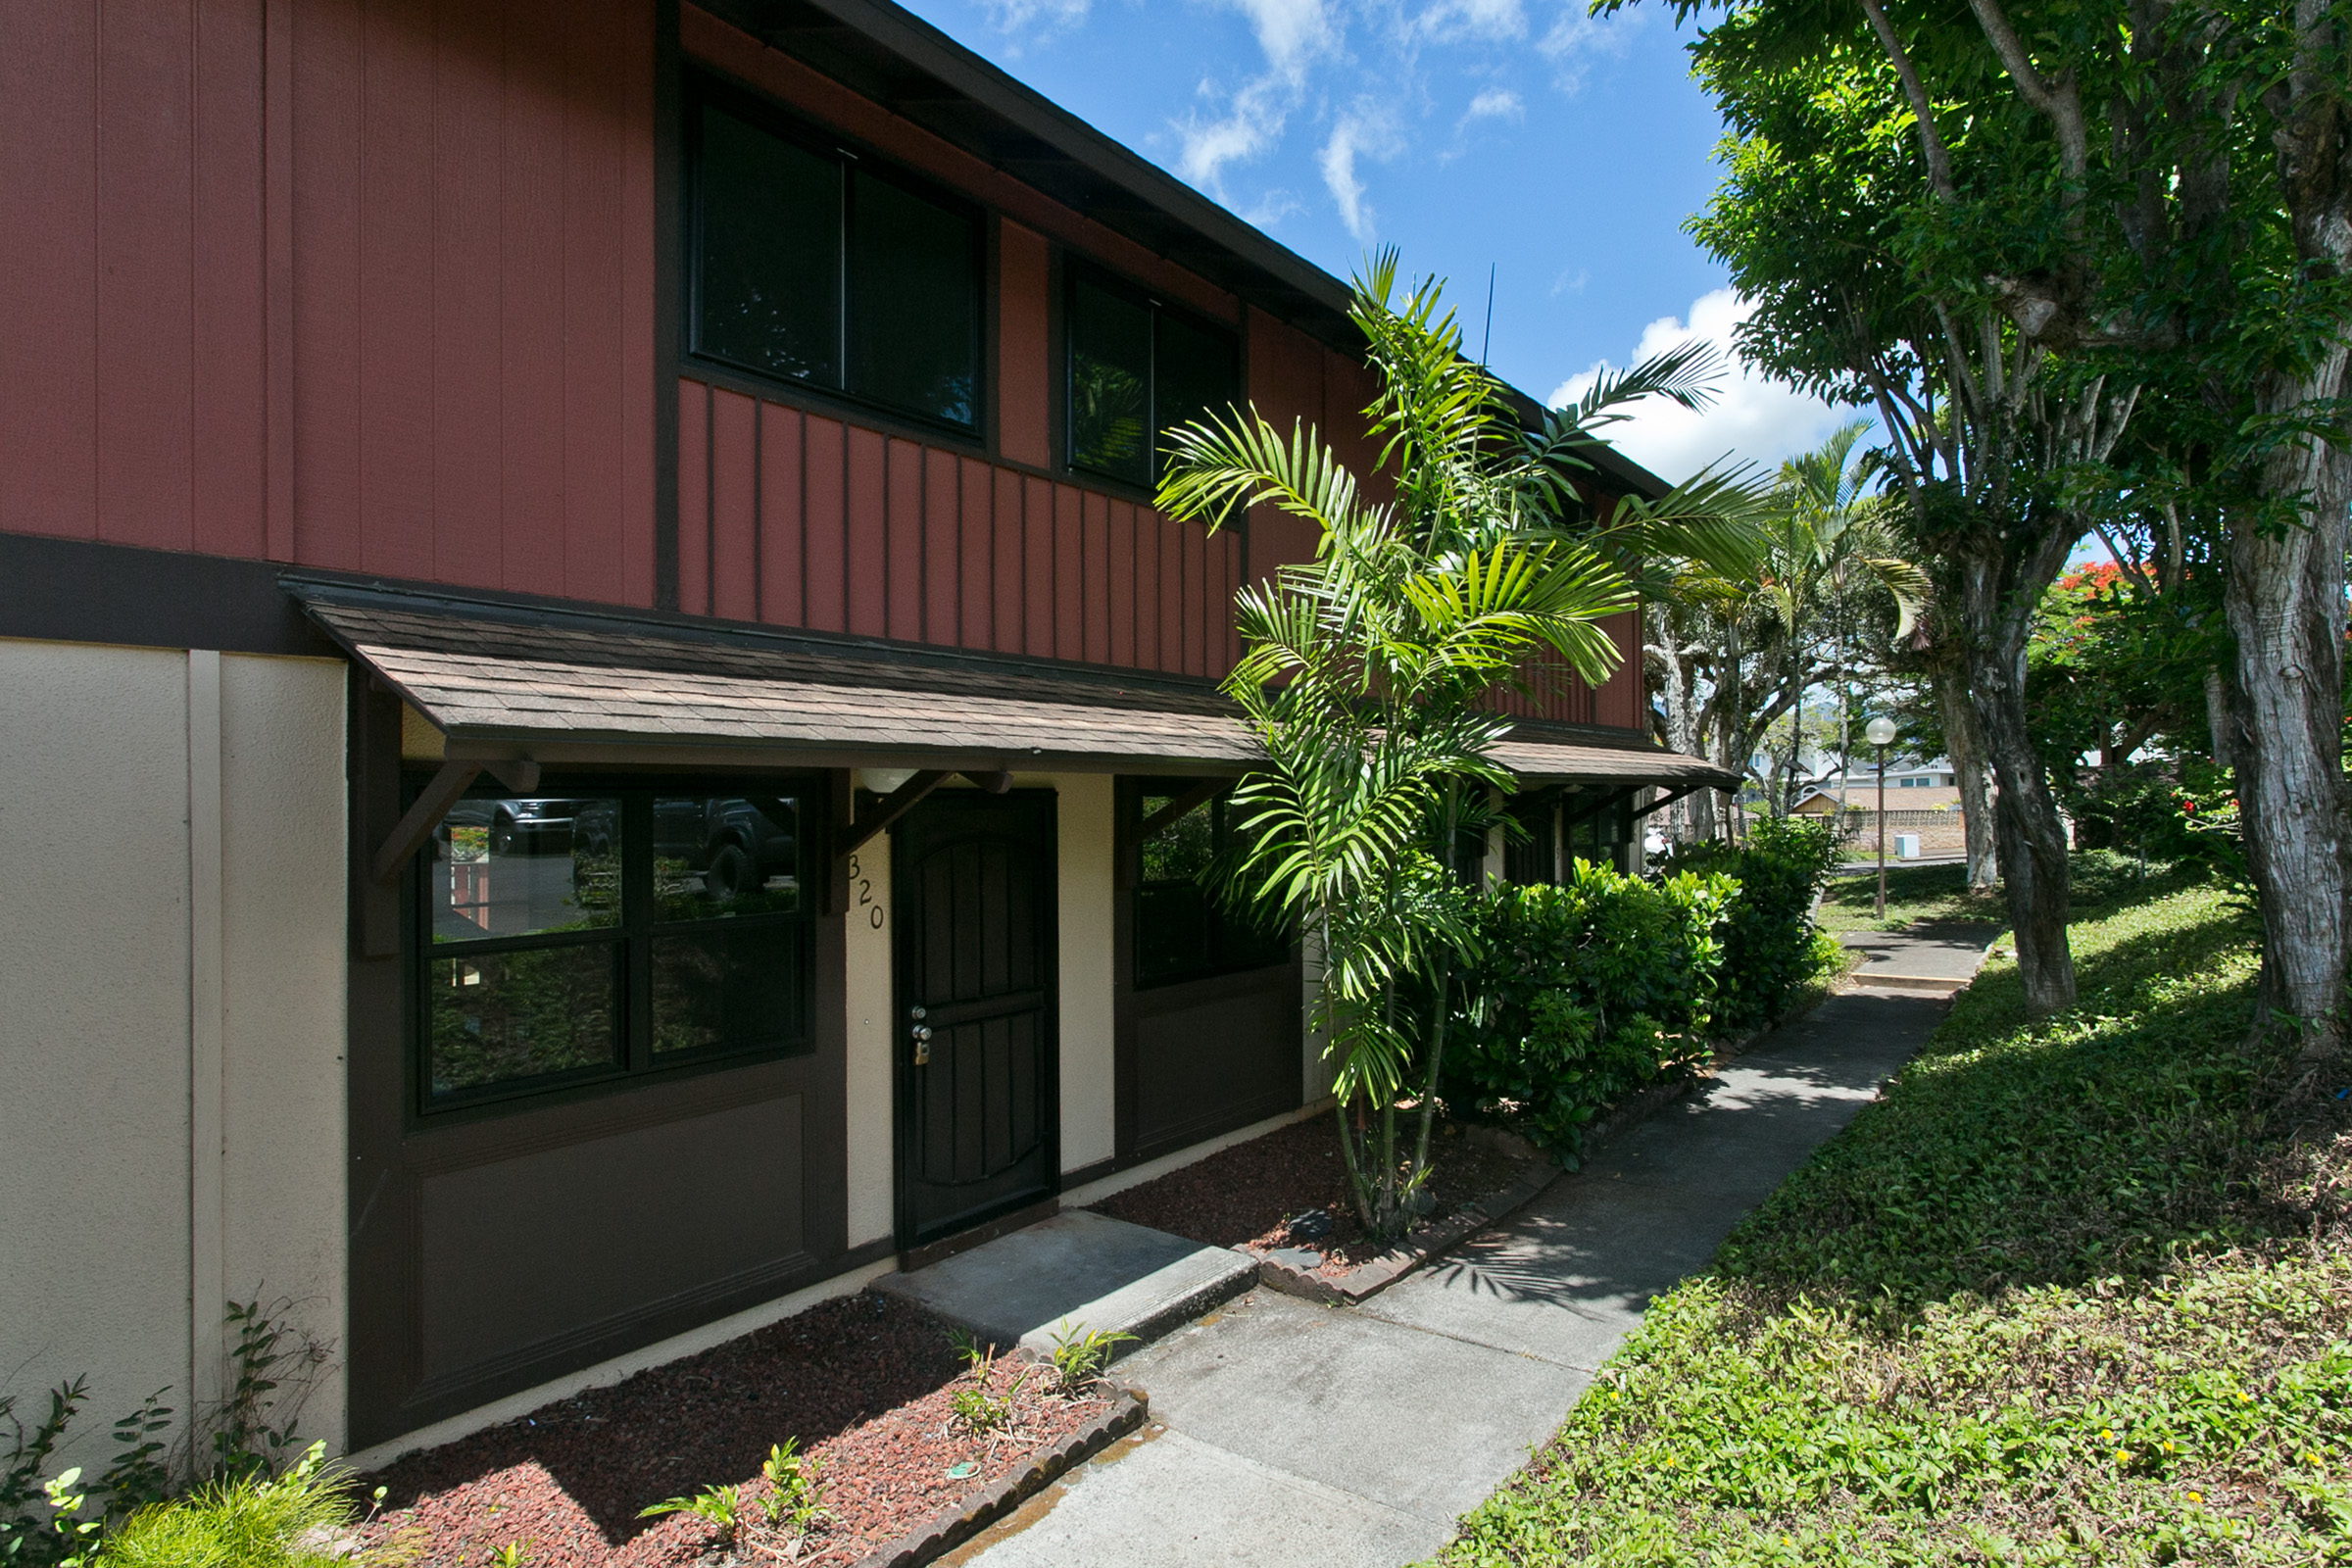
(1024, 397)
(792, 519)
(447, 352)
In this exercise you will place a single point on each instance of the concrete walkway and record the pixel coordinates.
(1287, 1433)
(1933, 955)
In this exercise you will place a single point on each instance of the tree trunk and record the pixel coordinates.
(2285, 601)
(1997, 608)
(1966, 752)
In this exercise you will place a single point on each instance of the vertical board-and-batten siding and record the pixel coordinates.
(386, 264)
(794, 519)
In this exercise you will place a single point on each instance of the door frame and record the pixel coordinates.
(902, 1058)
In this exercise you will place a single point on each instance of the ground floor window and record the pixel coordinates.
(605, 932)
(1528, 851)
(1180, 829)
(1597, 830)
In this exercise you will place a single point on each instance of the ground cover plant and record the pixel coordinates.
(2075, 1290)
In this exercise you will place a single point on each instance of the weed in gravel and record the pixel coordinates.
(795, 1499)
(978, 1411)
(513, 1554)
(1080, 1355)
(719, 1507)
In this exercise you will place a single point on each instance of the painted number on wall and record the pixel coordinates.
(862, 889)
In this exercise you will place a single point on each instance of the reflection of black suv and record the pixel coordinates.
(735, 843)
(537, 825)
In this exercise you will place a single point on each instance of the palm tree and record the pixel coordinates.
(1368, 673)
(1827, 539)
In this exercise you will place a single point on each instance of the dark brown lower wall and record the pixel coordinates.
(1205, 1057)
(496, 1252)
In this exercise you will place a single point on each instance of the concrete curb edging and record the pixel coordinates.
(953, 1526)
(1367, 1280)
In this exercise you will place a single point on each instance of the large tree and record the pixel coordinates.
(2096, 201)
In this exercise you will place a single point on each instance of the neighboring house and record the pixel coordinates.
(1932, 786)
(603, 736)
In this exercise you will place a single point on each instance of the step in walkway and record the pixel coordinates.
(1075, 1272)
(1934, 957)
(1285, 1432)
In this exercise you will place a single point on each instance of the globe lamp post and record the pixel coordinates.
(1881, 734)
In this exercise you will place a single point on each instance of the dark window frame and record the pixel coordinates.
(706, 88)
(632, 937)
(1078, 270)
(1220, 922)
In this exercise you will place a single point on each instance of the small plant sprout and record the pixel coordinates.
(796, 1487)
(719, 1507)
(513, 1554)
(1080, 1353)
(978, 1411)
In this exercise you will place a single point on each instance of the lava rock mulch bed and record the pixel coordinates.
(865, 1384)
(1289, 1189)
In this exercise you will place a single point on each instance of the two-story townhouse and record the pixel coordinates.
(597, 733)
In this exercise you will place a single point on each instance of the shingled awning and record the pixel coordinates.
(554, 685)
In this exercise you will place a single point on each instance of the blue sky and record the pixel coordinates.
(1565, 152)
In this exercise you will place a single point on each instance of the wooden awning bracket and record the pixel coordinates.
(1182, 806)
(888, 809)
(443, 791)
(1670, 796)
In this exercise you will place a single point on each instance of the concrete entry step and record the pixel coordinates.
(1869, 979)
(1080, 1269)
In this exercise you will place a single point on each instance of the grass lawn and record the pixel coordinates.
(2102, 879)
(2072, 1291)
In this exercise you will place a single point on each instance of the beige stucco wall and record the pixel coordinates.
(872, 1129)
(1085, 892)
(172, 933)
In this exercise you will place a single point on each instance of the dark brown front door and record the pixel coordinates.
(978, 1132)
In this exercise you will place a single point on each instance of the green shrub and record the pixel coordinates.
(1768, 949)
(1586, 992)
(248, 1521)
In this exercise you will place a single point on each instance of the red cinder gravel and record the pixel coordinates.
(863, 1382)
(1243, 1196)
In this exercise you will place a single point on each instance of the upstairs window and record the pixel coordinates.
(810, 266)
(1136, 372)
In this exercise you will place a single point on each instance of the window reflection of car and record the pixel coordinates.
(736, 843)
(533, 825)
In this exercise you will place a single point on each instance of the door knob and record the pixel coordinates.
(922, 1043)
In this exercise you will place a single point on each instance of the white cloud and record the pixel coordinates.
(1249, 128)
(1468, 22)
(1017, 15)
(1496, 103)
(1364, 131)
(1290, 32)
(1753, 418)
(1577, 38)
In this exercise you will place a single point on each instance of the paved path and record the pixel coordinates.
(1940, 956)
(1287, 1433)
